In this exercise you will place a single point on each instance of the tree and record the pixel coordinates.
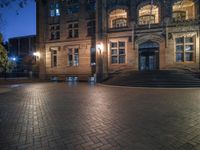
(5, 63)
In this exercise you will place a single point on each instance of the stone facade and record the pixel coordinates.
(125, 35)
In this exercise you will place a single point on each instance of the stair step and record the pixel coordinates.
(166, 78)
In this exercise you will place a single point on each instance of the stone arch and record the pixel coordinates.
(149, 44)
(150, 37)
(117, 7)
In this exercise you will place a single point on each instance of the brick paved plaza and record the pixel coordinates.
(56, 116)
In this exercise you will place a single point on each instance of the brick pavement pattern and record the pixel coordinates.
(58, 116)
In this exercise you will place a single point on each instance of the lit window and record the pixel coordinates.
(54, 9)
(120, 22)
(179, 15)
(57, 12)
(149, 14)
(185, 49)
(183, 10)
(118, 52)
(73, 57)
(118, 18)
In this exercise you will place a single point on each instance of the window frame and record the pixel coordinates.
(75, 57)
(110, 19)
(159, 14)
(117, 54)
(54, 57)
(54, 32)
(175, 19)
(184, 52)
(73, 30)
(91, 28)
(184, 9)
(54, 9)
(154, 19)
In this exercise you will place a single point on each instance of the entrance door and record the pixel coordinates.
(148, 61)
(148, 56)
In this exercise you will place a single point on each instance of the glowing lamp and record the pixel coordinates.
(99, 47)
(37, 54)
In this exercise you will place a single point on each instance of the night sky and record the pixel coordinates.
(18, 24)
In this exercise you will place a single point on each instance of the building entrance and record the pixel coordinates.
(149, 56)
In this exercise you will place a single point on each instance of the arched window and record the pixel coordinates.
(183, 10)
(118, 18)
(149, 14)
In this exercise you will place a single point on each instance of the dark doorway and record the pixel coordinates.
(149, 56)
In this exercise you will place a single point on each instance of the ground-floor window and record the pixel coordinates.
(54, 57)
(118, 52)
(185, 49)
(73, 57)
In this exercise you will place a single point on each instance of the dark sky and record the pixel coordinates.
(23, 23)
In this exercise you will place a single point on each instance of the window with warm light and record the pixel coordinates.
(149, 14)
(183, 10)
(118, 18)
(185, 49)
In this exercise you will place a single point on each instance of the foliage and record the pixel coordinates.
(5, 64)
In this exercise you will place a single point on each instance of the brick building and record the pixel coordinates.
(83, 37)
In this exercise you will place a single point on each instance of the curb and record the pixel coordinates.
(148, 88)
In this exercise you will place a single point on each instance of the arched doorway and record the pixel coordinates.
(148, 56)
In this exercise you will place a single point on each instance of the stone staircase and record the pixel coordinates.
(161, 78)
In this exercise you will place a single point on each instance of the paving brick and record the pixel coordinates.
(57, 116)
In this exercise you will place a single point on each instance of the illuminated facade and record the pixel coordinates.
(83, 37)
